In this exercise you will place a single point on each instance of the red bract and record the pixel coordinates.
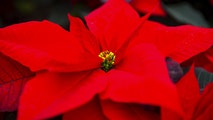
(204, 108)
(203, 60)
(13, 77)
(69, 78)
(189, 94)
(145, 6)
(196, 106)
(180, 43)
(112, 110)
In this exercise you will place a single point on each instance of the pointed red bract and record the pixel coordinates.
(46, 42)
(85, 37)
(113, 26)
(189, 92)
(180, 43)
(145, 6)
(133, 79)
(204, 60)
(50, 94)
(204, 108)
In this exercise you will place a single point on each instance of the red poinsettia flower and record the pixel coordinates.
(145, 6)
(107, 71)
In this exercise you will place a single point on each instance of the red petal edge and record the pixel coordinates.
(145, 6)
(204, 108)
(189, 92)
(180, 43)
(13, 77)
(49, 44)
(50, 94)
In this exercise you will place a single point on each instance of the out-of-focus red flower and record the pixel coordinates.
(196, 106)
(69, 75)
(145, 6)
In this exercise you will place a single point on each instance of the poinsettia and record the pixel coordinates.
(110, 69)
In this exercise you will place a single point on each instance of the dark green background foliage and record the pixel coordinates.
(16, 11)
(196, 12)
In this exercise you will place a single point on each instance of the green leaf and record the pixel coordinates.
(204, 77)
(185, 13)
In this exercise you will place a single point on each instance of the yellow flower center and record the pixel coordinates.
(108, 58)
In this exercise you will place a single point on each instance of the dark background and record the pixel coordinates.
(16, 11)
